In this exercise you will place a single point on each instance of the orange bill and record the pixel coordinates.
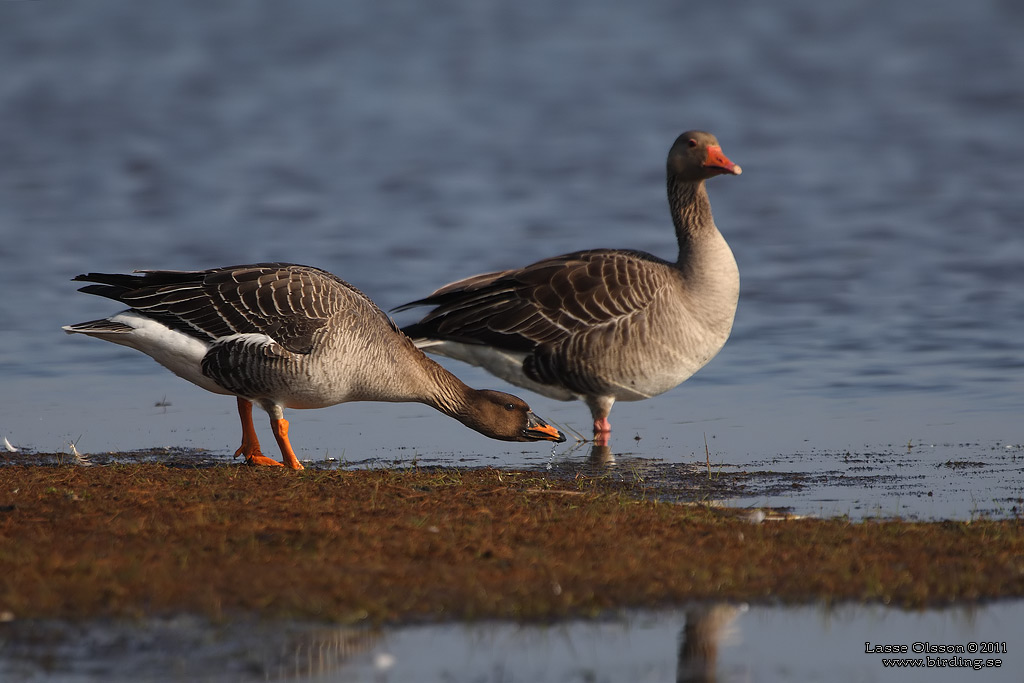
(539, 430)
(716, 159)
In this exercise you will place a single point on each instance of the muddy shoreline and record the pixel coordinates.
(439, 544)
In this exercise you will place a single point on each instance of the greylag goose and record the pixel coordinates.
(288, 336)
(602, 325)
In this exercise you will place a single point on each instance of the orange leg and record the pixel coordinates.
(250, 447)
(280, 428)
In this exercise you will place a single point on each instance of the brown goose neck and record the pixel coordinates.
(448, 394)
(691, 213)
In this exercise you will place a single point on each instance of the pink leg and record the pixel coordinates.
(602, 430)
(600, 406)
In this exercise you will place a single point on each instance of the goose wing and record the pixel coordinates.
(288, 303)
(560, 311)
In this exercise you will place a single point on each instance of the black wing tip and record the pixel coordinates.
(95, 277)
(126, 282)
(106, 285)
(412, 304)
(99, 290)
(430, 332)
(415, 331)
(115, 279)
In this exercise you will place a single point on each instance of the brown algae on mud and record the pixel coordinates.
(440, 544)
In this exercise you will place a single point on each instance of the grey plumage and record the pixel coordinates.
(288, 336)
(602, 324)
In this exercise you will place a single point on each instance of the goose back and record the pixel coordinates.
(597, 322)
(295, 334)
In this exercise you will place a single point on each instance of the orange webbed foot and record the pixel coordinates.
(249, 450)
(262, 460)
(250, 447)
(280, 428)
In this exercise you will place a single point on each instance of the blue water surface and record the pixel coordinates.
(877, 224)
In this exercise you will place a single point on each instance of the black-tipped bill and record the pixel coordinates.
(539, 430)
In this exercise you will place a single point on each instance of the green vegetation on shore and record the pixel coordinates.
(438, 544)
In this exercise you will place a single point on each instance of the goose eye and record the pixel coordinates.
(509, 407)
(691, 142)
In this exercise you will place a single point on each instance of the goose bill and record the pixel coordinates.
(539, 430)
(717, 160)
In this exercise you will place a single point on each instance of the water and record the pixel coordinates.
(877, 223)
(702, 644)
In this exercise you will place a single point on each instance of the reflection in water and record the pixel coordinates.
(601, 457)
(182, 648)
(598, 459)
(706, 628)
(782, 644)
(321, 652)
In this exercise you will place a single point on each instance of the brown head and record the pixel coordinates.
(506, 417)
(696, 155)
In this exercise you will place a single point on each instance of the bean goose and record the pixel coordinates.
(288, 336)
(602, 325)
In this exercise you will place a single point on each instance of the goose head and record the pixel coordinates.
(507, 417)
(697, 156)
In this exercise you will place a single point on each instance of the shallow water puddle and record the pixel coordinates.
(914, 481)
(703, 643)
(921, 482)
